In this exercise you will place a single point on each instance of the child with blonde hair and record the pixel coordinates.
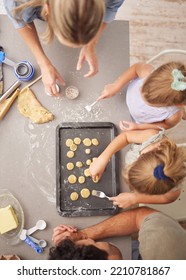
(154, 167)
(155, 97)
(75, 23)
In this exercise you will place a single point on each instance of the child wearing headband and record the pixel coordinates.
(155, 97)
(154, 167)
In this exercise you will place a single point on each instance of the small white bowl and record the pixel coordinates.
(72, 92)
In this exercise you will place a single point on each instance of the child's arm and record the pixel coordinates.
(140, 70)
(98, 166)
(125, 200)
(168, 123)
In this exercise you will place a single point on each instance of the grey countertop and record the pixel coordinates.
(27, 150)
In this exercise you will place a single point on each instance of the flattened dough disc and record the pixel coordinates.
(29, 106)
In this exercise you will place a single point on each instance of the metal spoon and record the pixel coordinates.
(42, 243)
(40, 225)
(99, 194)
(89, 107)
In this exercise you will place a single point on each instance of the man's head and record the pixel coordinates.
(85, 249)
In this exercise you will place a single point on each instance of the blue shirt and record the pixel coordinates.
(28, 15)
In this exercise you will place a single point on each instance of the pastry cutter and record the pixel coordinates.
(23, 70)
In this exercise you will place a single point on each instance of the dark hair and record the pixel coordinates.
(68, 250)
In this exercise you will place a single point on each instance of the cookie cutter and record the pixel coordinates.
(23, 70)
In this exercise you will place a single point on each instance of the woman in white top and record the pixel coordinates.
(155, 98)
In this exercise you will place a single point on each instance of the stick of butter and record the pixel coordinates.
(8, 219)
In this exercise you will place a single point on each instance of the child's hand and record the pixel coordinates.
(97, 167)
(109, 91)
(124, 200)
(127, 126)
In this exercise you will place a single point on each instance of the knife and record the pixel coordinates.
(1, 74)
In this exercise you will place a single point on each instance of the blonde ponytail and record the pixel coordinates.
(76, 21)
(140, 174)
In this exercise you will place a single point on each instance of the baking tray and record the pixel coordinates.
(105, 132)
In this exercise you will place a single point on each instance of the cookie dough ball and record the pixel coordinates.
(70, 154)
(94, 159)
(77, 140)
(79, 164)
(88, 162)
(72, 179)
(85, 193)
(96, 180)
(87, 172)
(69, 142)
(95, 142)
(73, 147)
(70, 166)
(87, 142)
(81, 179)
(74, 196)
(87, 151)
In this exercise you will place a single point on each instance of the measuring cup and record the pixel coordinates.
(40, 225)
(42, 243)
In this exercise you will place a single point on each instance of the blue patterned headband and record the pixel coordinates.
(178, 80)
(159, 174)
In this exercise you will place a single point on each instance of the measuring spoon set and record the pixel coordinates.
(33, 242)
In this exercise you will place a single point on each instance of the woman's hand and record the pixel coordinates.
(63, 232)
(124, 200)
(109, 91)
(49, 77)
(88, 53)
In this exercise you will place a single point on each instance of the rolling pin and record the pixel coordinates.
(6, 104)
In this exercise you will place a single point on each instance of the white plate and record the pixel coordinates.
(6, 198)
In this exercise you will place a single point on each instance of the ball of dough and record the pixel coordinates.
(87, 151)
(79, 164)
(88, 161)
(73, 147)
(69, 142)
(87, 142)
(72, 179)
(81, 179)
(96, 180)
(74, 196)
(85, 193)
(87, 172)
(70, 166)
(95, 142)
(70, 154)
(77, 140)
(94, 159)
